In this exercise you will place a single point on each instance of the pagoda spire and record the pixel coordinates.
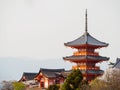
(86, 21)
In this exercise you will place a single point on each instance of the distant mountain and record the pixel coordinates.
(1, 86)
(13, 68)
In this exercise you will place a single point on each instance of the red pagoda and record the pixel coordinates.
(86, 57)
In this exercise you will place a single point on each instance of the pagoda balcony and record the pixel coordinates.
(86, 53)
(86, 67)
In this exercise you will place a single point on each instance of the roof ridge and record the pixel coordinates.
(117, 62)
(29, 72)
(52, 70)
(86, 37)
(96, 39)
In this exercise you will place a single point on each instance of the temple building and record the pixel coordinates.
(86, 56)
(47, 77)
(28, 79)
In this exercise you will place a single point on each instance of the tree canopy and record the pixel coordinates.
(73, 80)
(18, 86)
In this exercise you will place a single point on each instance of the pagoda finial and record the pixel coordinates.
(86, 21)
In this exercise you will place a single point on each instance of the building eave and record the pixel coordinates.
(85, 39)
(84, 58)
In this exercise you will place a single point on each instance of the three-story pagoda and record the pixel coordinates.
(86, 57)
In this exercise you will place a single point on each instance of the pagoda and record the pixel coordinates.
(86, 57)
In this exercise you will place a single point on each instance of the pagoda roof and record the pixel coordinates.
(92, 71)
(28, 76)
(88, 57)
(86, 39)
(51, 73)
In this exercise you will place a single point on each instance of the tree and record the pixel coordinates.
(73, 81)
(53, 87)
(113, 78)
(98, 84)
(110, 81)
(7, 85)
(18, 86)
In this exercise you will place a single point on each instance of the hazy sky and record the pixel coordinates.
(38, 29)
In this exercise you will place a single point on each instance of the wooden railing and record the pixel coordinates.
(86, 53)
(86, 67)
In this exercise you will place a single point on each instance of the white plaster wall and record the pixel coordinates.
(46, 83)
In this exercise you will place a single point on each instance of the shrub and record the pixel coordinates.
(53, 87)
(18, 86)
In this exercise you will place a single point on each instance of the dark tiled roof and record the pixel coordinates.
(97, 58)
(28, 76)
(66, 73)
(92, 71)
(51, 73)
(86, 38)
(117, 64)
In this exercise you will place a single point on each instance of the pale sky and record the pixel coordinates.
(38, 29)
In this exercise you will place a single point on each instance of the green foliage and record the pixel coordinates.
(73, 80)
(53, 87)
(18, 86)
(84, 85)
